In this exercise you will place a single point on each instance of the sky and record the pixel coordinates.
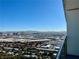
(36, 15)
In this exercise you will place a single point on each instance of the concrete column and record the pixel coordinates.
(72, 17)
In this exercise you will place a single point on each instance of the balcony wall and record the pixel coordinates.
(72, 17)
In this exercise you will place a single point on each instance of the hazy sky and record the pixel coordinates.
(41, 15)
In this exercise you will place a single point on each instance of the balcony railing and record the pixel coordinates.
(63, 50)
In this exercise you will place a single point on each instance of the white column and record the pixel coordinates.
(72, 17)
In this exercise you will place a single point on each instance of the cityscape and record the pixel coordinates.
(32, 29)
(30, 44)
(39, 29)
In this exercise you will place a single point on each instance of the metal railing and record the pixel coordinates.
(63, 50)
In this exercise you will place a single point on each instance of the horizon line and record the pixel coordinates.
(33, 30)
